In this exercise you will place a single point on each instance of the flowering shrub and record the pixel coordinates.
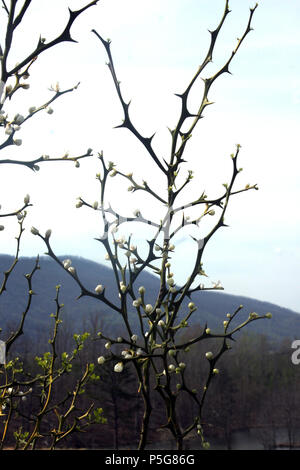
(156, 350)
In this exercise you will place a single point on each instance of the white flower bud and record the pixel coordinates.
(49, 110)
(119, 367)
(161, 323)
(142, 290)
(171, 368)
(95, 205)
(48, 233)
(101, 360)
(79, 204)
(1, 228)
(170, 282)
(18, 142)
(209, 355)
(136, 303)
(67, 263)
(99, 289)
(26, 199)
(182, 365)
(18, 119)
(8, 129)
(148, 308)
(119, 339)
(32, 109)
(34, 231)
(107, 345)
(134, 338)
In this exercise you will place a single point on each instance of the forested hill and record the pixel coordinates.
(79, 314)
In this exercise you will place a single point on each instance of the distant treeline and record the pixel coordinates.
(257, 388)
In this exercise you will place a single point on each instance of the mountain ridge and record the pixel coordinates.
(212, 306)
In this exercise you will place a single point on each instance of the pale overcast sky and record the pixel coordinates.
(157, 47)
